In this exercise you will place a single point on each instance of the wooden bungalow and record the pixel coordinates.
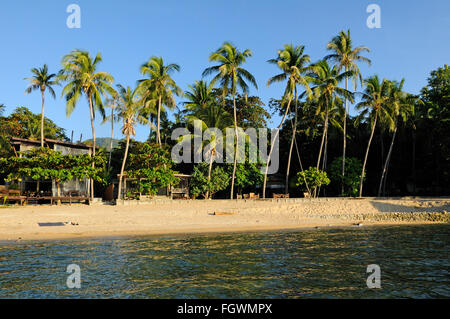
(48, 188)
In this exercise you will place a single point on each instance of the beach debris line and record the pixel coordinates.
(223, 213)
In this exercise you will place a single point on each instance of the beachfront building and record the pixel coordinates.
(81, 187)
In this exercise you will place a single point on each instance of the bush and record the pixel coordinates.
(200, 186)
(352, 176)
(248, 175)
(314, 177)
(151, 166)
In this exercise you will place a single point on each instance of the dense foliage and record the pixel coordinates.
(351, 179)
(148, 163)
(47, 164)
(200, 186)
(397, 143)
(312, 178)
(152, 166)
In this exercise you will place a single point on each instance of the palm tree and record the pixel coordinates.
(80, 71)
(111, 103)
(159, 88)
(128, 109)
(42, 80)
(346, 57)
(402, 105)
(200, 96)
(292, 62)
(2, 108)
(327, 87)
(231, 76)
(33, 129)
(201, 106)
(375, 103)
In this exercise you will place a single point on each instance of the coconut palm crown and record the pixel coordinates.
(42, 80)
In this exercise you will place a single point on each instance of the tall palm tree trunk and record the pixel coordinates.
(151, 131)
(344, 145)
(383, 193)
(324, 134)
(123, 167)
(91, 109)
(413, 159)
(325, 129)
(42, 117)
(294, 131)
(324, 161)
(158, 133)
(112, 137)
(272, 145)
(386, 163)
(210, 169)
(367, 154)
(381, 148)
(235, 147)
(301, 167)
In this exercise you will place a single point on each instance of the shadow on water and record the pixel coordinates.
(328, 263)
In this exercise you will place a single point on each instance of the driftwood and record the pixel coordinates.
(224, 213)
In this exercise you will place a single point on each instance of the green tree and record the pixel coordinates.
(201, 185)
(203, 109)
(23, 123)
(5, 147)
(346, 57)
(314, 178)
(375, 104)
(42, 80)
(199, 96)
(79, 70)
(248, 175)
(350, 180)
(250, 111)
(294, 65)
(128, 109)
(159, 88)
(151, 165)
(45, 164)
(231, 76)
(112, 104)
(402, 106)
(432, 129)
(326, 81)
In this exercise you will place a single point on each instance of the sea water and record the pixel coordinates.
(321, 263)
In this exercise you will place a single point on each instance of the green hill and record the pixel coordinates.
(103, 142)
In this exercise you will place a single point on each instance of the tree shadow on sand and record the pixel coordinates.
(414, 206)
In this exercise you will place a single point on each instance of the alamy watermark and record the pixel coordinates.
(74, 19)
(374, 19)
(200, 145)
(74, 279)
(374, 279)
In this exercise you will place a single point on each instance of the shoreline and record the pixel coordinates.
(75, 237)
(174, 218)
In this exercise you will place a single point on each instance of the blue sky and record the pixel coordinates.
(413, 40)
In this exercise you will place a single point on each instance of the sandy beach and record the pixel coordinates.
(180, 217)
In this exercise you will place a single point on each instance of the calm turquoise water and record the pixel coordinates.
(414, 263)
